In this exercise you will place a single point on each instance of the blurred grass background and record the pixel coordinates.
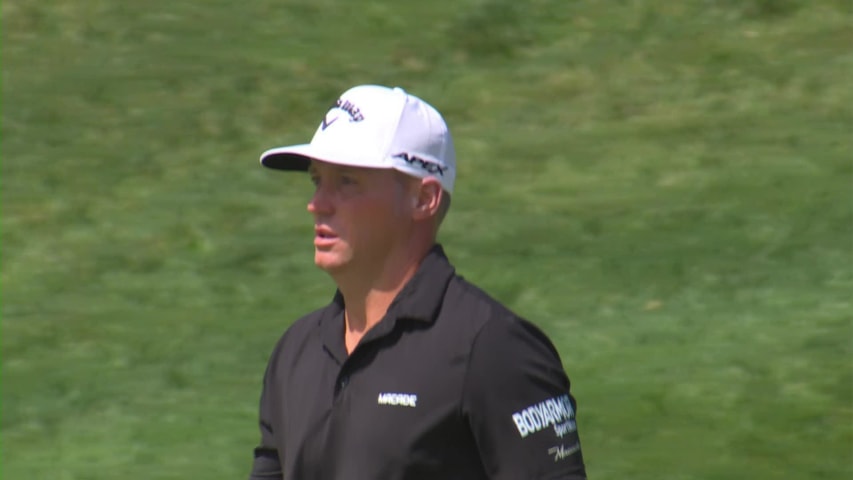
(664, 187)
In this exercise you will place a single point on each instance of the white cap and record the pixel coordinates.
(377, 127)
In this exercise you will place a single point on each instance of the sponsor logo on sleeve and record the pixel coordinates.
(398, 399)
(561, 452)
(555, 412)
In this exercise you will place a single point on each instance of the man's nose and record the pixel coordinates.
(321, 202)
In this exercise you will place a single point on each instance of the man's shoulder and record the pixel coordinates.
(474, 305)
(489, 320)
(302, 329)
(309, 321)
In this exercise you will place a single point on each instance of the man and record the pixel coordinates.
(410, 372)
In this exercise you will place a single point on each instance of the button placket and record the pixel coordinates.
(341, 383)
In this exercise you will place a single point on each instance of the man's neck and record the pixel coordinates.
(367, 297)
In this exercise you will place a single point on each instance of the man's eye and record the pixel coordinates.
(346, 180)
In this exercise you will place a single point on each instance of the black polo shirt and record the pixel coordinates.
(449, 385)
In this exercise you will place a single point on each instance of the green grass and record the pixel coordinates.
(664, 187)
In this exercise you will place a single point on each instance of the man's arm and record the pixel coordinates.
(266, 465)
(519, 407)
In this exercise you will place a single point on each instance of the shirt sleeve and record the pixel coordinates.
(266, 464)
(517, 401)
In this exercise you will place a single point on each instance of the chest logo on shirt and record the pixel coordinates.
(398, 399)
(556, 412)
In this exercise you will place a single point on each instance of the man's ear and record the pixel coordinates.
(427, 200)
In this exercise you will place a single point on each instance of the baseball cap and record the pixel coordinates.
(374, 126)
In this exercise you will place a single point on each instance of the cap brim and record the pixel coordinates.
(296, 157)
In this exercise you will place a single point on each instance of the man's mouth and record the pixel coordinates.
(324, 233)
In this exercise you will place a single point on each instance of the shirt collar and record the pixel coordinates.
(421, 297)
(419, 300)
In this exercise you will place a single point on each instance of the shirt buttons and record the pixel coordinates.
(343, 382)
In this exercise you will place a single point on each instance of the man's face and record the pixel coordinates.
(359, 215)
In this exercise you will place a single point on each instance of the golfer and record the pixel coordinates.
(410, 372)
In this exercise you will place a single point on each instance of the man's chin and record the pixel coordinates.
(329, 261)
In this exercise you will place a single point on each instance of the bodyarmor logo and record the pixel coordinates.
(556, 412)
(430, 167)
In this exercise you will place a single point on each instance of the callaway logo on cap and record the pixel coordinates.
(377, 127)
